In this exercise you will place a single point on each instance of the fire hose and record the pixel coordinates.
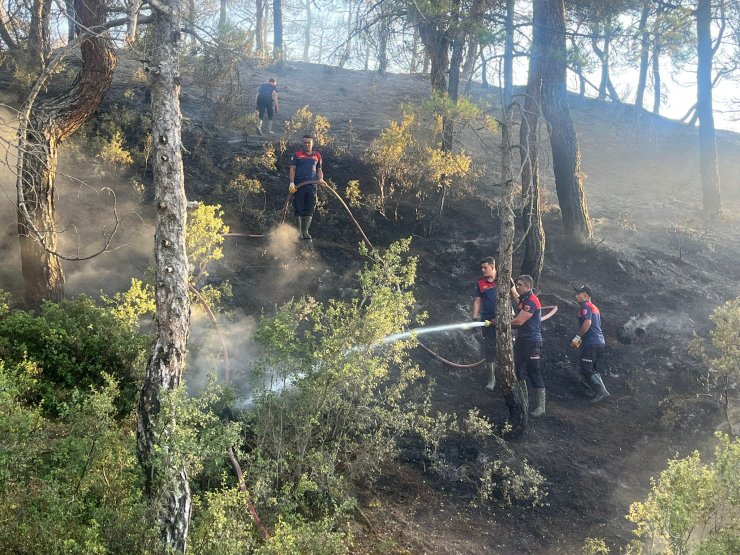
(551, 312)
(285, 211)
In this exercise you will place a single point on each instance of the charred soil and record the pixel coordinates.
(656, 271)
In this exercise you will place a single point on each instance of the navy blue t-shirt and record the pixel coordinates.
(530, 330)
(486, 290)
(306, 166)
(265, 91)
(594, 335)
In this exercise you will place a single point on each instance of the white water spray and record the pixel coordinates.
(432, 329)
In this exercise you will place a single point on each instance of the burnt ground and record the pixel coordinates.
(654, 268)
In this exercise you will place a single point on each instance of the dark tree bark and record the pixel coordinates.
(69, 6)
(50, 121)
(383, 34)
(529, 137)
(644, 55)
(707, 143)
(39, 45)
(259, 27)
(167, 483)
(549, 38)
(505, 371)
(605, 83)
(656, 63)
(278, 55)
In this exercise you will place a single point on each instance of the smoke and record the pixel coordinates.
(206, 358)
(85, 216)
(10, 275)
(673, 324)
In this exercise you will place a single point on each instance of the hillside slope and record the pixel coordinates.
(654, 267)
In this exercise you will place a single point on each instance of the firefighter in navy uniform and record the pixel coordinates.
(590, 339)
(267, 104)
(484, 308)
(305, 165)
(528, 344)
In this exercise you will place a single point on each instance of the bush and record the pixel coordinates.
(73, 343)
(691, 500)
(329, 403)
(73, 484)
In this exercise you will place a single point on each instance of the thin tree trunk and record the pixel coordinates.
(509, 53)
(644, 55)
(415, 52)
(348, 45)
(529, 137)
(566, 157)
(384, 32)
(505, 371)
(166, 481)
(69, 6)
(484, 69)
(222, 16)
(259, 27)
(307, 33)
(707, 142)
(50, 122)
(277, 14)
(656, 62)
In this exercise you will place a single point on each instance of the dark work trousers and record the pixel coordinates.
(304, 201)
(489, 343)
(590, 355)
(264, 105)
(527, 361)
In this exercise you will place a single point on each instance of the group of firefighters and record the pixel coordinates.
(528, 345)
(306, 170)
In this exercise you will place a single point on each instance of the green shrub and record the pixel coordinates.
(691, 500)
(72, 484)
(73, 343)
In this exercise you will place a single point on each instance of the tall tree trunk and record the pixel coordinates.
(69, 6)
(566, 157)
(307, 34)
(278, 55)
(484, 68)
(656, 61)
(39, 45)
(259, 27)
(644, 55)
(222, 16)
(414, 65)
(383, 34)
(50, 121)
(529, 139)
(166, 481)
(505, 371)
(347, 54)
(707, 143)
(509, 53)
(605, 83)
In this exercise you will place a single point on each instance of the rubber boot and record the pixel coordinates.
(300, 227)
(269, 127)
(491, 366)
(540, 395)
(598, 384)
(525, 393)
(259, 128)
(304, 228)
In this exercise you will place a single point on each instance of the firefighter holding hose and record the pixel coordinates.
(306, 172)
